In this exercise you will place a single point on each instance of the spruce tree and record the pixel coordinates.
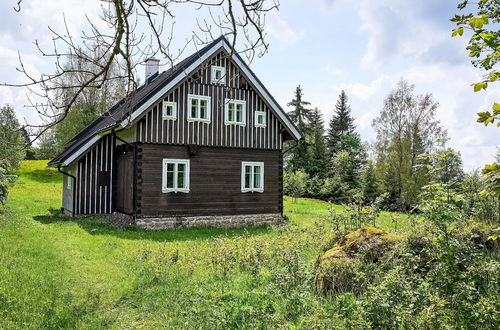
(318, 153)
(342, 123)
(301, 116)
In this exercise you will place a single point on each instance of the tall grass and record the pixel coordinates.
(58, 272)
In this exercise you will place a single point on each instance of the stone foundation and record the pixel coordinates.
(210, 221)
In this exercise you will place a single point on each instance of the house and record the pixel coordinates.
(198, 144)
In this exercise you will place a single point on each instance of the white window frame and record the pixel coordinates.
(264, 122)
(166, 161)
(199, 98)
(222, 80)
(252, 189)
(164, 110)
(226, 112)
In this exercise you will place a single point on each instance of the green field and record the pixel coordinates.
(58, 272)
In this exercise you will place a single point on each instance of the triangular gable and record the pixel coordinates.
(205, 54)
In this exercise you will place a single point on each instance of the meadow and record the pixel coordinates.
(59, 272)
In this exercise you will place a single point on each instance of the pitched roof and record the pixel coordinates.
(128, 110)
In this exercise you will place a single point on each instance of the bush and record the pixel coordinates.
(5, 180)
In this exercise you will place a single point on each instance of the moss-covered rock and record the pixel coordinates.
(338, 268)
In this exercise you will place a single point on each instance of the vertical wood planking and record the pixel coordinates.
(152, 128)
(92, 198)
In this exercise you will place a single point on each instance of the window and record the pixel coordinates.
(199, 108)
(252, 176)
(218, 75)
(175, 175)
(260, 119)
(69, 180)
(235, 113)
(169, 110)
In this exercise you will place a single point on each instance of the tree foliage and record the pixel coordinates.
(294, 184)
(301, 116)
(484, 49)
(406, 128)
(368, 183)
(317, 150)
(342, 123)
(90, 103)
(11, 139)
(4, 183)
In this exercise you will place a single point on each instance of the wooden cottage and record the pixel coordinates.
(198, 144)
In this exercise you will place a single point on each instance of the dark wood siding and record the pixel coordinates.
(215, 182)
(153, 129)
(93, 196)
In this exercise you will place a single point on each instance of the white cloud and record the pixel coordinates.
(279, 29)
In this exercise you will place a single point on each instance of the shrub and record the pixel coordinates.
(5, 179)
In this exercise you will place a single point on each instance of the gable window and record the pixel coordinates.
(235, 112)
(199, 108)
(218, 74)
(260, 119)
(175, 176)
(169, 110)
(252, 176)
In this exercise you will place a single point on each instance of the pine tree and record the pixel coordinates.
(342, 123)
(318, 153)
(301, 116)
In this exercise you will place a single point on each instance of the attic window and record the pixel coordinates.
(260, 119)
(169, 110)
(218, 74)
(235, 113)
(199, 108)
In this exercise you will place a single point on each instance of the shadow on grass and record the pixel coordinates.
(99, 226)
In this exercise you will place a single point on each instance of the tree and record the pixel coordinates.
(317, 151)
(352, 144)
(301, 116)
(484, 48)
(11, 139)
(406, 128)
(92, 101)
(368, 183)
(342, 123)
(447, 166)
(129, 32)
(343, 177)
(294, 184)
(47, 147)
(4, 183)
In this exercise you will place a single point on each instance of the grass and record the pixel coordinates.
(59, 272)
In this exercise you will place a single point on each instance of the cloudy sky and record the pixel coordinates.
(361, 46)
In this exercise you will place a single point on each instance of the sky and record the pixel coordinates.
(361, 46)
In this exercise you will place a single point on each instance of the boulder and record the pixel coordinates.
(337, 269)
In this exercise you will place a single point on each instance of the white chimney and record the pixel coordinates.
(152, 65)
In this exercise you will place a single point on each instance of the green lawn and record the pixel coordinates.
(58, 272)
